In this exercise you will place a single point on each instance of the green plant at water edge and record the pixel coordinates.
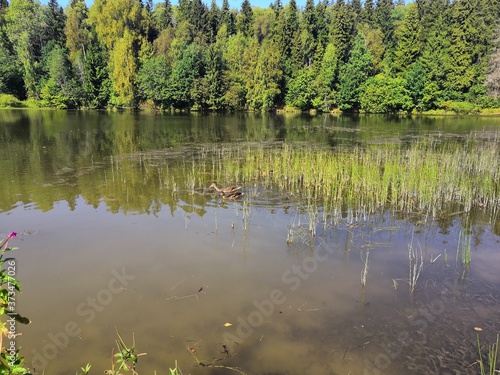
(10, 360)
(84, 370)
(125, 359)
(492, 358)
(176, 370)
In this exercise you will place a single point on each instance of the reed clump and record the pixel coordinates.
(424, 177)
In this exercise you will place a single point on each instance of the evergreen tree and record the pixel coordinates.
(55, 20)
(244, 22)
(214, 18)
(96, 81)
(322, 27)
(214, 82)
(200, 21)
(325, 95)
(277, 6)
(227, 18)
(369, 12)
(164, 16)
(409, 37)
(470, 38)
(353, 75)
(343, 30)
(263, 88)
(383, 12)
(357, 9)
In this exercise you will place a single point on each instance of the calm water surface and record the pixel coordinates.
(111, 240)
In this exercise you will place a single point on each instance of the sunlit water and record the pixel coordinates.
(227, 286)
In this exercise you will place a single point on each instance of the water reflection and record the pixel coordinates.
(119, 232)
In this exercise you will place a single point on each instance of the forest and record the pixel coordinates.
(380, 56)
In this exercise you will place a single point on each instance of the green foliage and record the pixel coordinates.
(416, 79)
(11, 79)
(184, 74)
(96, 81)
(125, 360)
(263, 88)
(245, 19)
(409, 37)
(10, 361)
(343, 30)
(300, 92)
(152, 81)
(9, 101)
(353, 75)
(385, 95)
(24, 26)
(442, 49)
(461, 108)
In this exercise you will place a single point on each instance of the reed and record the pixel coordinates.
(416, 265)
(492, 358)
(425, 177)
(464, 248)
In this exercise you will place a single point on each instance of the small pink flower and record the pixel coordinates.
(11, 235)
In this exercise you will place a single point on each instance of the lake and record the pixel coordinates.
(119, 231)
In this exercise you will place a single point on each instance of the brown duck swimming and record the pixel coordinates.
(227, 190)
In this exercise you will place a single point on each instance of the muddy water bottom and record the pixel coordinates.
(225, 290)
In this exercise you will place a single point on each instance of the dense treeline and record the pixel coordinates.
(375, 56)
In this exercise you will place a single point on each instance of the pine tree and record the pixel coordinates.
(227, 18)
(343, 30)
(245, 19)
(321, 23)
(368, 12)
(55, 20)
(409, 37)
(383, 19)
(214, 18)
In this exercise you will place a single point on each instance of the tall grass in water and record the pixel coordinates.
(492, 358)
(426, 177)
(464, 249)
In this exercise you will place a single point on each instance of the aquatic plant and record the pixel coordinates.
(426, 177)
(125, 359)
(466, 249)
(492, 358)
(415, 265)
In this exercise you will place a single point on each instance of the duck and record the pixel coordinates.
(233, 195)
(227, 190)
